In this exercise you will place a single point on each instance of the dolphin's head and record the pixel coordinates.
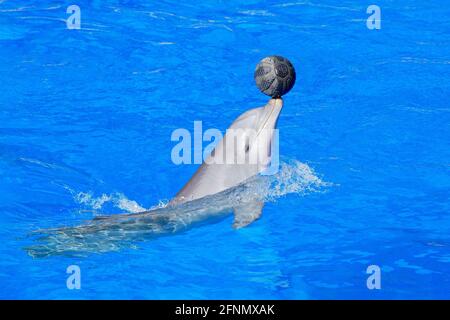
(245, 150)
(255, 132)
(266, 133)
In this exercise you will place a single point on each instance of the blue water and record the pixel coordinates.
(85, 123)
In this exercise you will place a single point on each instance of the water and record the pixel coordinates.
(114, 232)
(85, 123)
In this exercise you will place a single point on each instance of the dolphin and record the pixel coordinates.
(250, 137)
(225, 182)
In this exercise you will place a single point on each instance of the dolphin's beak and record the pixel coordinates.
(272, 112)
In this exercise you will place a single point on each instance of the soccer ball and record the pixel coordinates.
(275, 76)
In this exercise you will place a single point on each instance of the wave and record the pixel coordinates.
(114, 232)
(119, 200)
(293, 177)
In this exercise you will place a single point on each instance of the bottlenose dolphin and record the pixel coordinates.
(225, 182)
(245, 151)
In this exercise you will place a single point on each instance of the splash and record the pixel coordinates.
(294, 177)
(119, 200)
(114, 232)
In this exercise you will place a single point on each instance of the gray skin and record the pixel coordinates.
(253, 129)
(213, 191)
(231, 164)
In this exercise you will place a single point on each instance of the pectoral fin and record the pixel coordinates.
(247, 213)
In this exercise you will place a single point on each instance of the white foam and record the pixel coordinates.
(294, 177)
(122, 202)
(118, 200)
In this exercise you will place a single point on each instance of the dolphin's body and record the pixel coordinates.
(230, 164)
(218, 187)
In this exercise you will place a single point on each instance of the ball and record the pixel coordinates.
(275, 76)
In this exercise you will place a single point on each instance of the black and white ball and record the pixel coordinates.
(275, 76)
